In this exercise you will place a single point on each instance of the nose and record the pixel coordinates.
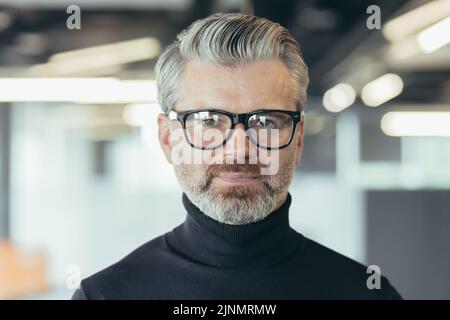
(237, 147)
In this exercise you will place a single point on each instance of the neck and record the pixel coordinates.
(282, 200)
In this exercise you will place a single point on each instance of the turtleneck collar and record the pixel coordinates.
(259, 244)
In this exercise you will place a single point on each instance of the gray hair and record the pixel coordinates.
(229, 40)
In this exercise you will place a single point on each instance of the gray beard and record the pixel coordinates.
(236, 210)
(235, 205)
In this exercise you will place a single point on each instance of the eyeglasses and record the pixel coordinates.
(207, 129)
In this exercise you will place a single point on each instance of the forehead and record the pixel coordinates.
(256, 85)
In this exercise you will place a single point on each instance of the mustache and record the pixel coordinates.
(215, 170)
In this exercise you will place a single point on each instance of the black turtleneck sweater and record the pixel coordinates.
(205, 259)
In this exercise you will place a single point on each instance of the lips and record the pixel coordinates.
(237, 178)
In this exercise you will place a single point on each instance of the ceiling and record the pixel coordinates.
(335, 42)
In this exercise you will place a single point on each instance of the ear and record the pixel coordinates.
(299, 132)
(164, 136)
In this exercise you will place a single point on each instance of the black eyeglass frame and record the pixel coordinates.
(236, 118)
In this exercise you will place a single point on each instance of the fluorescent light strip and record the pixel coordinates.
(127, 50)
(339, 97)
(81, 90)
(382, 89)
(434, 37)
(99, 57)
(415, 20)
(415, 123)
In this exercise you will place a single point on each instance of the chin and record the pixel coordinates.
(246, 192)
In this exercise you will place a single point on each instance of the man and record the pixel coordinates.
(233, 88)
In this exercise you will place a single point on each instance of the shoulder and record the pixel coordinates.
(123, 277)
(344, 277)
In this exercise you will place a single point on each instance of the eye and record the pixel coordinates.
(271, 120)
(263, 122)
(209, 121)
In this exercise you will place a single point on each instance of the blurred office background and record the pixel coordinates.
(83, 181)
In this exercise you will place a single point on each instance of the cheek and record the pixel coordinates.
(287, 161)
(288, 158)
(296, 147)
(191, 172)
(192, 178)
(181, 151)
(187, 175)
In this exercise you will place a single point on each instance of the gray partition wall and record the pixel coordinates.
(5, 151)
(408, 236)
